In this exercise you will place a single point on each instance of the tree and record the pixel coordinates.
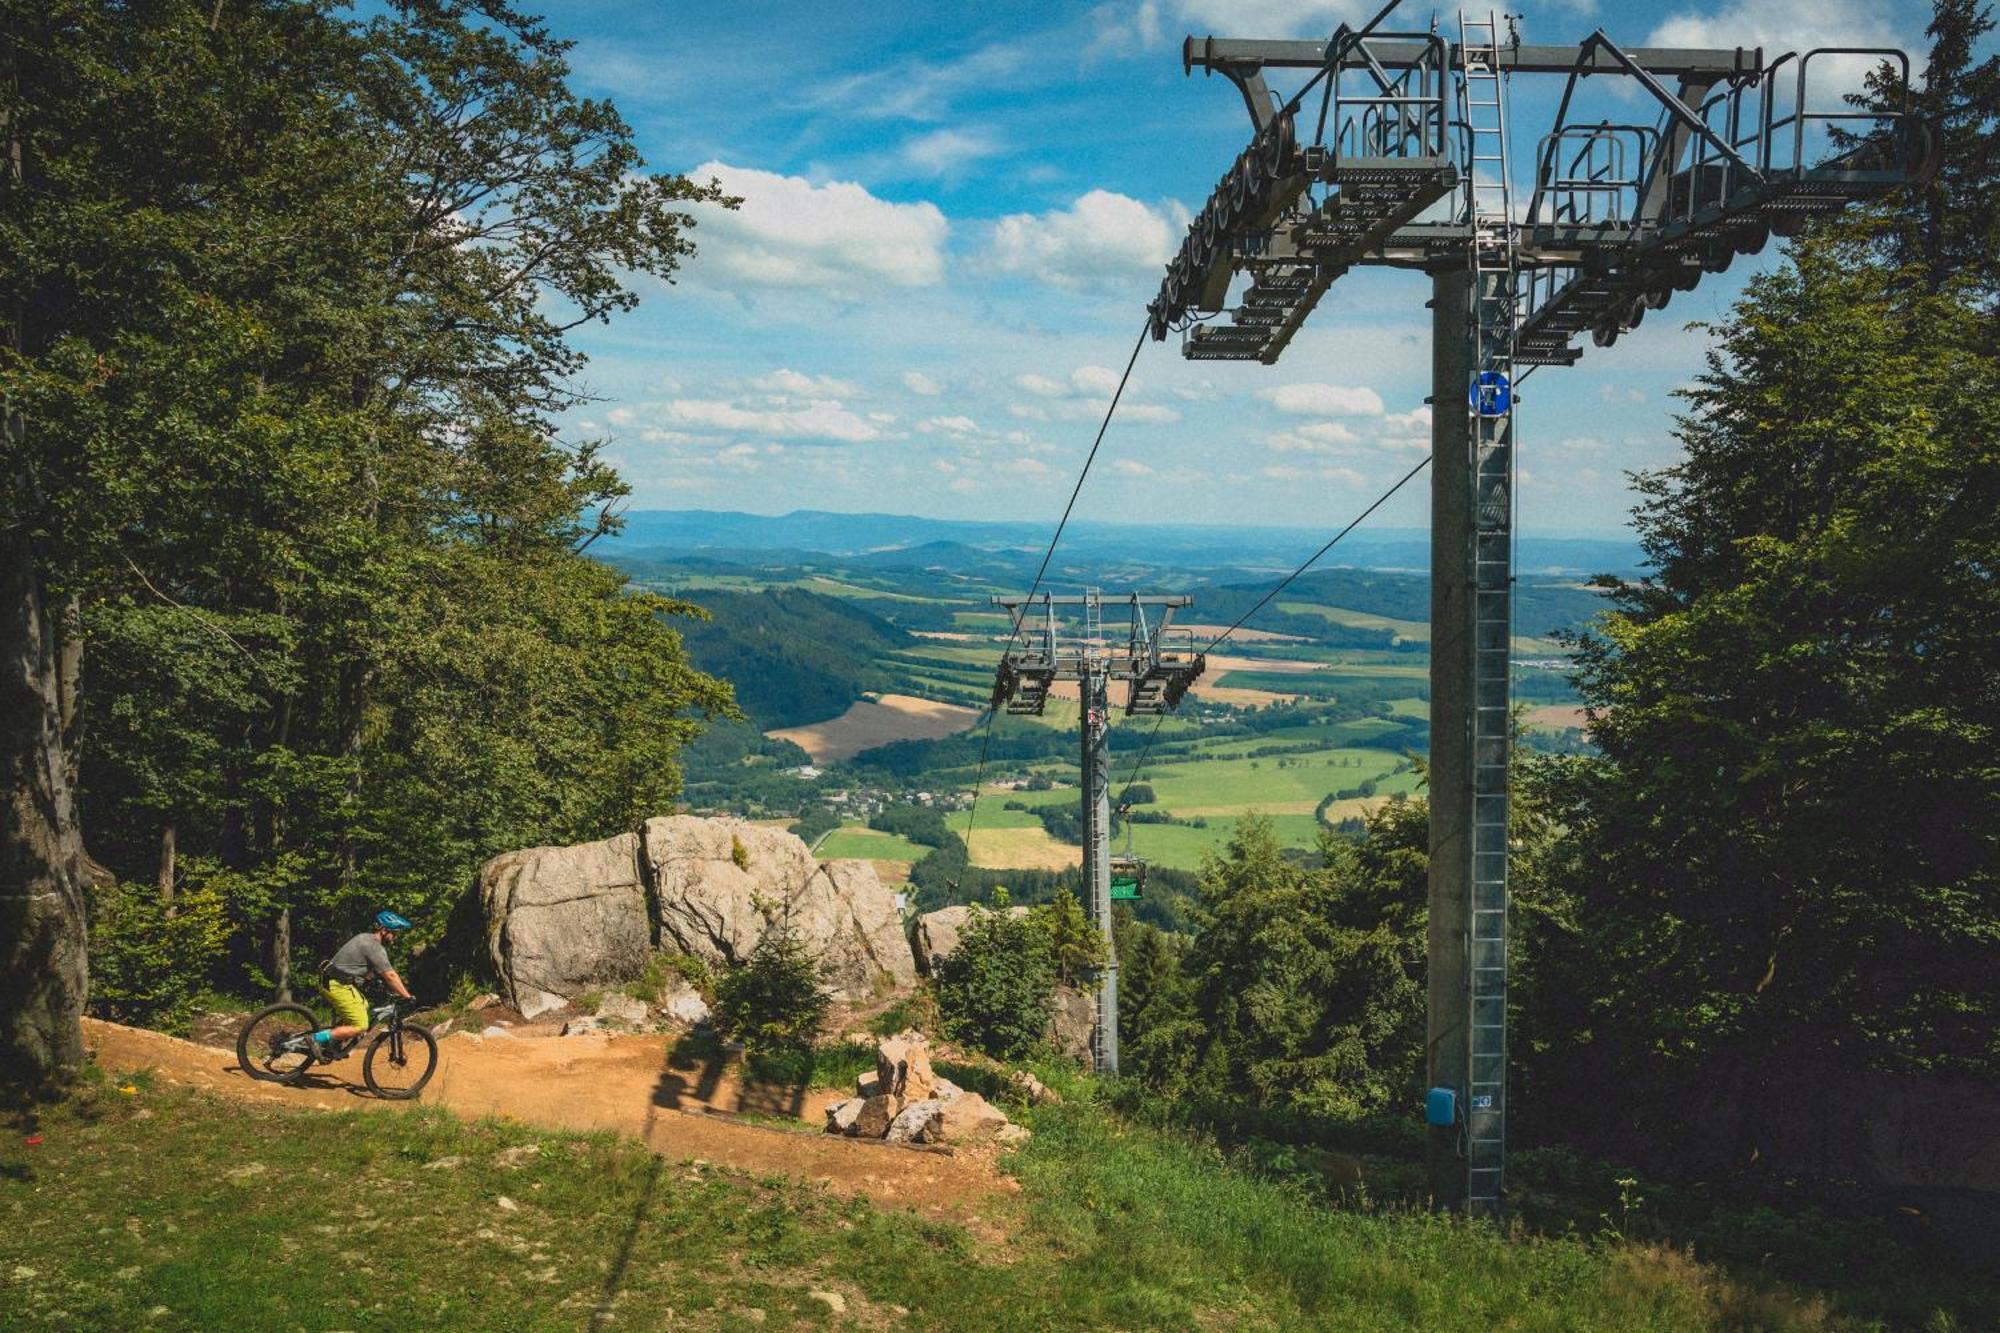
(775, 1000)
(1076, 946)
(1308, 982)
(994, 991)
(290, 299)
(1786, 863)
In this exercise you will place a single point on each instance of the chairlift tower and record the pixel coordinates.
(1395, 153)
(1155, 662)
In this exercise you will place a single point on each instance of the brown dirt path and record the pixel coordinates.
(599, 1082)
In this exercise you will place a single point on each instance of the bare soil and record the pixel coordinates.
(627, 1084)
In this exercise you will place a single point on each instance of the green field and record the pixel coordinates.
(856, 842)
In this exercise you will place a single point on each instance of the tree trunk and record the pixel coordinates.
(43, 973)
(281, 953)
(167, 839)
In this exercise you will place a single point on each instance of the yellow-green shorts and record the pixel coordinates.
(350, 1007)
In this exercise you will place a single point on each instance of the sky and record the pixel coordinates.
(953, 217)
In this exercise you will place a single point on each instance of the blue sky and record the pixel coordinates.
(954, 216)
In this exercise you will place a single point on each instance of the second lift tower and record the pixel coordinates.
(1157, 667)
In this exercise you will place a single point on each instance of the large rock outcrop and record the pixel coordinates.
(561, 920)
(719, 884)
(934, 936)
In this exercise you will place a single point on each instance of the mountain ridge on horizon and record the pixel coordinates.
(832, 533)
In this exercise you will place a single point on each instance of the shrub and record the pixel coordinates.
(147, 967)
(994, 992)
(774, 1002)
(739, 853)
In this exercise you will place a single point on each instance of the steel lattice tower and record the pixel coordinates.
(1395, 154)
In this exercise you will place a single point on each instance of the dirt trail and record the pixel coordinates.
(601, 1082)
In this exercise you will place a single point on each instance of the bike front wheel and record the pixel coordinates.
(400, 1061)
(275, 1044)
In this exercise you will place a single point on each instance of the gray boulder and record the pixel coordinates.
(616, 1008)
(560, 920)
(719, 884)
(935, 934)
(913, 1123)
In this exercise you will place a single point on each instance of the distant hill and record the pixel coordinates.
(959, 544)
(795, 657)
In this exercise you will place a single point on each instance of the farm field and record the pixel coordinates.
(893, 717)
(859, 842)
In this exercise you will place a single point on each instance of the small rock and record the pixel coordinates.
(577, 1027)
(622, 1009)
(1032, 1088)
(876, 1115)
(514, 1157)
(495, 1031)
(944, 1089)
(968, 1118)
(1011, 1133)
(486, 1001)
(913, 1124)
(506, 1205)
(247, 1171)
(842, 1117)
(867, 1085)
(903, 1067)
(687, 1007)
(834, 1300)
(444, 1163)
(444, 1028)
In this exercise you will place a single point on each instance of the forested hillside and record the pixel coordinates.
(794, 656)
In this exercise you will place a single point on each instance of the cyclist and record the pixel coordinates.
(366, 955)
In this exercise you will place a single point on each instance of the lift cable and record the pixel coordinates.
(1264, 601)
(1014, 633)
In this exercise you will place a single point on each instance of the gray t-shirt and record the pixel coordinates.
(360, 957)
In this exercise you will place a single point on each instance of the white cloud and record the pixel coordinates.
(919, 383)
(1099, 380)
(835, 238)
(784, 381)
(1614, 393)
(815, 421)
(1774, 24)
(962, 485)
(1150, 413)
(1101, 239)
(1130, 467)
(1315, 437)
(1028, 411)
(1126, 32)
(947, 152)
(1324, 400)
(1273, 18)
(1032, 467)
(950, 425)
(1039, 385)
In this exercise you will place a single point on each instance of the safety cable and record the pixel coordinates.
(1014, 632)
(1265, 600)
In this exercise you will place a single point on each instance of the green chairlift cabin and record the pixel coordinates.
(1128, 872)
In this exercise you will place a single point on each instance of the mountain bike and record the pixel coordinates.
(276, 1046)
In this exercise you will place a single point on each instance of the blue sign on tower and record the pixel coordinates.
(1491, 395)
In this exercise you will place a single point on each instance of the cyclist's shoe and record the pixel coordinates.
(326, 1052)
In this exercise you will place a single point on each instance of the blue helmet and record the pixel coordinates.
(390, 921)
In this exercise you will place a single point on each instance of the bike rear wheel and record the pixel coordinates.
(400, 1061)
(269, 1045)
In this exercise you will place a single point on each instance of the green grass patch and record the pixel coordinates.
(859, 842)
(162, 1208)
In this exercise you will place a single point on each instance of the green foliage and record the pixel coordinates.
(301, 288)
(921, 824)
(994, 992)
(150, 964)
(774, 1000)
(1076, 946)
(738, 853)
(916, 1012)
(1787, 860)
(797, 656)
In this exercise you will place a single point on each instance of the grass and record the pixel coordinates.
(168, 1209)
(863, 843)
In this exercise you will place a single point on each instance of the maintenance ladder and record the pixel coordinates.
(1489, 205)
